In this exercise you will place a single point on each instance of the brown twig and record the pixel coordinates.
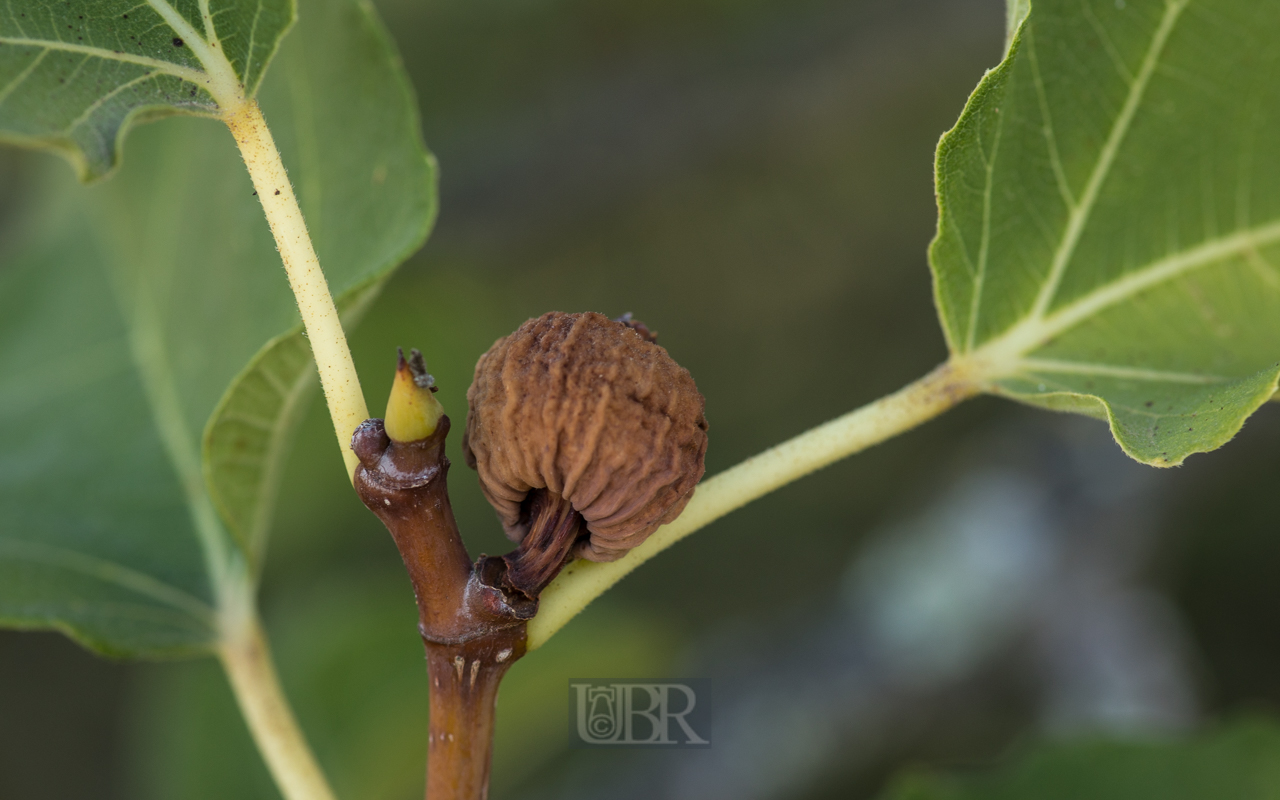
(473, 616)
(473, 630)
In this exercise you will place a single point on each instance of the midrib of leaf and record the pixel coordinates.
(146, 337)
(1005, 354)
(137, 298)
(224, 85)
(1079, 214)
(150, 356)
(1112, 371)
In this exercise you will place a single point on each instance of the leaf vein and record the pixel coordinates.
(1106, 157)
(1107, 45)
(108, 572)
(1209, 252)
(1032, 332)
(210, 32)
(253, 38)
(274, 381)
(1050, 136)
(1264, 268)
(225, 86)
(1116, 371)
(87, 114)
(177, 70)
(21, 76)
(984, 242)
(247, 419)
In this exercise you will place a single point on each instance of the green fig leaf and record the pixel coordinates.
(144, 304)
(1109, 232)
(73, 76)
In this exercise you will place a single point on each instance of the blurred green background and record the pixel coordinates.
(753, 179)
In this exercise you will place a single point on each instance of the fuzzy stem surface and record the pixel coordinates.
(319, 313)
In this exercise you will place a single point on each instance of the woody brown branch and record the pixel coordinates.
(472, 629)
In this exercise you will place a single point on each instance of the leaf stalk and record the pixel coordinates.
(247, 660)
(583, 581)
(244, 653)
(319, 313)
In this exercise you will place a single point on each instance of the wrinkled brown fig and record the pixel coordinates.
(587, 436)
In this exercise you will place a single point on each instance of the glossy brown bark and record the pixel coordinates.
(472, 628)
(464, 689)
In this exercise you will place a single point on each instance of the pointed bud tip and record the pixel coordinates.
(412, 410)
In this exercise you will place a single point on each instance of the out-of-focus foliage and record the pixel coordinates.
(1236, 763)
(752, 179)
(132, 305)
(361, 685)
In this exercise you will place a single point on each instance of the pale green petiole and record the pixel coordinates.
(319, 313)
(243, 648)
(583, 581)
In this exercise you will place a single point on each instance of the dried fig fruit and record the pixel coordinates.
(582, 429)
